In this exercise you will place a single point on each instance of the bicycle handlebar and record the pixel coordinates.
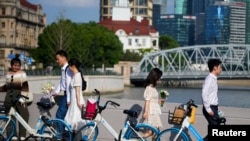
(101, 108)
(16, 99)
(191, 103)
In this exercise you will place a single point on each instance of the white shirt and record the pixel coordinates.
(64, 84)
(210, 92)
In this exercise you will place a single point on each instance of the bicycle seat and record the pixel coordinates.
(47, 105)
(131, 113)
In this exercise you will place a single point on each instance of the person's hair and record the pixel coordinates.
(153, 76)
(15, 60)
(75, 62)
(62, 53)
(212, 63)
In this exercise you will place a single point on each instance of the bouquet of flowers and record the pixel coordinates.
(164, 95)
(47, 90)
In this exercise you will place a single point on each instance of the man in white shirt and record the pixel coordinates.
(64, 84)
(210, 93)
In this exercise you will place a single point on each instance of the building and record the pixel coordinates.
(247, 19)
(226, 23)
(142, 8)
(134, 33)
(174, 20)
(21, 22)
(180, 27)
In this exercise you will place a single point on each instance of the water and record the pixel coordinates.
(228, 96)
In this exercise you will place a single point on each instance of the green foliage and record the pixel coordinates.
(91, 43)
(167, 42)
(131, 56)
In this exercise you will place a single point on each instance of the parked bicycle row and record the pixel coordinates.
(78, 119)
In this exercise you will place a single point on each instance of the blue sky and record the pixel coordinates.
(75, 10)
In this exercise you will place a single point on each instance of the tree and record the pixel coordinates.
(56, 36)
(167, 42)
(131, 56)
(91, 43)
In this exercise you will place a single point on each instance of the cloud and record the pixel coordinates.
(72, 3)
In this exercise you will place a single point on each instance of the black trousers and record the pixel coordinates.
(211, 119)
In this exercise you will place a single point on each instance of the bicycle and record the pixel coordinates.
(46, 132)
(184, 115)
(130, 131)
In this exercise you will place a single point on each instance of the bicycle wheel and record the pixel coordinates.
(58, 129)
(87, 133)
(170, 134)
(142, 129)
(6, 131)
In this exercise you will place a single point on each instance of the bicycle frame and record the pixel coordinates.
(31, 130)
(100, 119)
(190, 127)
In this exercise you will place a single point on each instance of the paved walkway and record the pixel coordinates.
(116, 117)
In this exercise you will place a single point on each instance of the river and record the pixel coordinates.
(228, 96)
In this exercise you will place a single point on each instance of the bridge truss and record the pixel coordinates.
(189, 63)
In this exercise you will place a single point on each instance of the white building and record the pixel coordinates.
(133, 33)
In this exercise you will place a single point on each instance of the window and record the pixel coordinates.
(3, 11)
(143, 42)
(136, 40)
(12, 39)
(129, 42)
(2, 39)
(2, 53)
(3, 24)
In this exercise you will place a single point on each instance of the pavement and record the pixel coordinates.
(115, 117)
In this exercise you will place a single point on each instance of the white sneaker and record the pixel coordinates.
(14, 138)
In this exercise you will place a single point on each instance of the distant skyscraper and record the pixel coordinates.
(180, 27)
(247, 19)
(226, 23)
(198, 6)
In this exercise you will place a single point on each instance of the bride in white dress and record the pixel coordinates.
(73, 115)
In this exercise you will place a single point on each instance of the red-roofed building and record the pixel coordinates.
(134, 34)
(21, 22)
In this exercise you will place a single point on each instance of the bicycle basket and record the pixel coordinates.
(89, 112)
(177, 116)
(88, 115)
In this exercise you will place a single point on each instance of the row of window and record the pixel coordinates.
(22, 14)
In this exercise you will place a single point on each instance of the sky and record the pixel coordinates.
(78, 11)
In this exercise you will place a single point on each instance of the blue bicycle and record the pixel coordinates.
(47, 130)
(183, 117)
(131, 131)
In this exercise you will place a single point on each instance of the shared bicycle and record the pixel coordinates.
(131, 131)
(183, 117)
(48, 131)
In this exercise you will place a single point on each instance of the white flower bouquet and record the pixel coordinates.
(164, 95)
(47, 90)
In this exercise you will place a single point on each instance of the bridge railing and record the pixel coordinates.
(191, 62)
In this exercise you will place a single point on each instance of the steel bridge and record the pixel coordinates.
(190, 63)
